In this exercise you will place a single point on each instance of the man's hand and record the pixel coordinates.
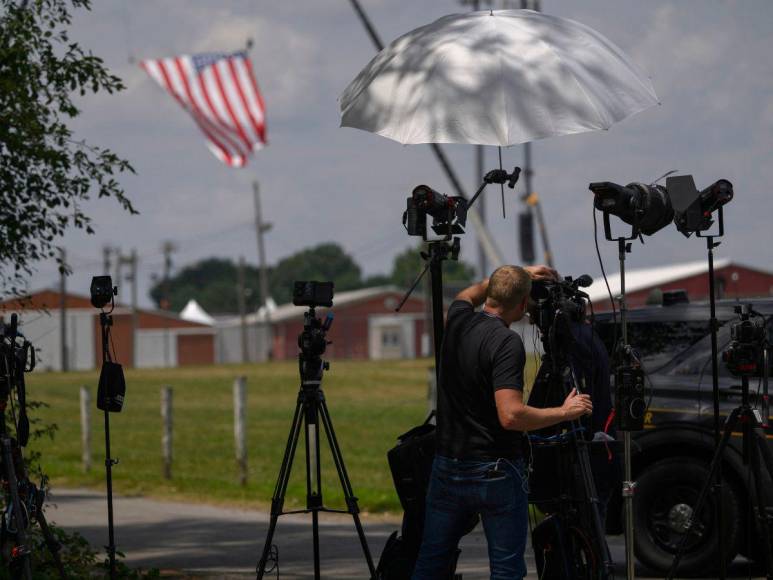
(541, 273)
(576, 405)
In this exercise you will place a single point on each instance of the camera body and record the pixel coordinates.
(449, 213)
(748, 341)
(313, 293)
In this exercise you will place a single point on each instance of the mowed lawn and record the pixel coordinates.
(371, 403)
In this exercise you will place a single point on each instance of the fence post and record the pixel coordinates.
(166, 432)
(240, 411)
(86, 428)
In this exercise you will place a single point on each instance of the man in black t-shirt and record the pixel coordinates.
(480, 420)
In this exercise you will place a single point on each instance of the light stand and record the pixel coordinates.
(629, 405)
(714, 327)
(448, 248)
(105, 322)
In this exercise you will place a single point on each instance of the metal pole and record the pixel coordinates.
(260, 229)
(714, 326)
(105, 320)
(63, 308)
(628, 484)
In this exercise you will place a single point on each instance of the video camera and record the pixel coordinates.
(554, 299)
(313, 340)
(745, 354)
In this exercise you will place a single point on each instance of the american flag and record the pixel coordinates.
(219, 91)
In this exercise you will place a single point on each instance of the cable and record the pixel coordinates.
(606, 281)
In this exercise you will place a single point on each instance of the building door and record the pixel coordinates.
(391, 341)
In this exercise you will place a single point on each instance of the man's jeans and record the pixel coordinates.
(457, 491)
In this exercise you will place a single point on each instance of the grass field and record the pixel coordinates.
(371, 403)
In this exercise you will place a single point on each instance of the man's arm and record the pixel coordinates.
(515, 415)
(475, 294)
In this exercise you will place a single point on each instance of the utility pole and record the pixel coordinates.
(479, 155)
(530, 197)
(261, 228)
(119, 260)
(167, 248)
(106, 260)
(132, 262)
(63, 308)
(241, 290)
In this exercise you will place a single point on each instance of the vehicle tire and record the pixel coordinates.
(666, 493)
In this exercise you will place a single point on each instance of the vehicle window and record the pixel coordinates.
(659, 342)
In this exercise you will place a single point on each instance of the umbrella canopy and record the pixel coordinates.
(498, 77)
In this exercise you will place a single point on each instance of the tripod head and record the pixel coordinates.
(313, 341)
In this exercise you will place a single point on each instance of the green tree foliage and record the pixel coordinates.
(213, 282)
(323, 262)
(409, 263)
(45, 173)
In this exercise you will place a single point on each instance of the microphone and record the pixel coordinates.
(583, 281)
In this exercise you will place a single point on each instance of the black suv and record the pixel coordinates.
(671, 456)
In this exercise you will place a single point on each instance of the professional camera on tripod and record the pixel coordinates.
(23, 500)
(311, 411)
(570, 542)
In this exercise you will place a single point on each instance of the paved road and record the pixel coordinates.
(218, 542)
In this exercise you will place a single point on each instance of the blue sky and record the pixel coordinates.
(709, 62)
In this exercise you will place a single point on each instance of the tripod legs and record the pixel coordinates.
(277, 500)
(351, 500)
(760, 447)
(754, 445)
(309, 410)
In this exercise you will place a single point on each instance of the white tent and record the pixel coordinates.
(193, 312)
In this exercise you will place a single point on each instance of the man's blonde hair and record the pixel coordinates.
(507, 287)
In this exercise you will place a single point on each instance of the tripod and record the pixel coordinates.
(310, 409)
(754, 448)
(557, 376)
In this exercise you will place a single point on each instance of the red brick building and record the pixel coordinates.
(365, 325)
(162, 339)
(733, 280)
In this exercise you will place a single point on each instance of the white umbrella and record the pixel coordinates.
(495, 78)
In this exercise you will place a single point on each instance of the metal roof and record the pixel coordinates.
(290, 311)
(645, 278)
